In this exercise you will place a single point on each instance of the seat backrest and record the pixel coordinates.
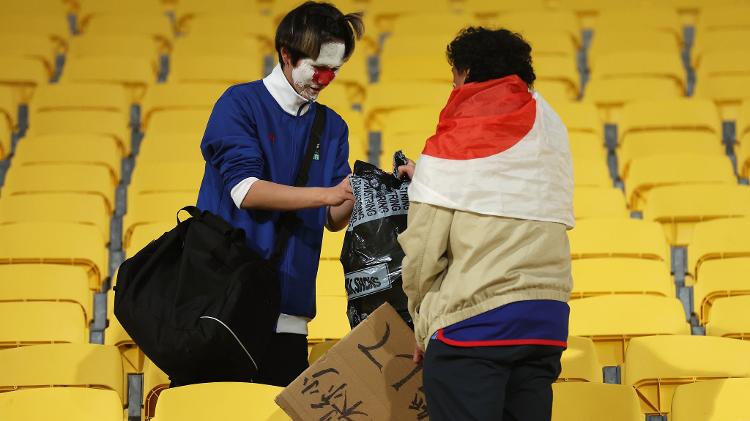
(580, 362)
(711, 400)
(135, 73)
(42, 322)
(143, 234)
(610, 95)
(80, 96)
(591, 172)
(586, 145)
(330, 322)
(332, 244)
(594, 401)
(611, 321)
(83, 122)
(179, 96)
(639, 64)
(670, 114)
(229, 25)
(188, 68)
(612, 39)
(719, 279)
(75, 365)
(581, 117)
(718, 239)
(127, 23)
(49, 403)
(144, 209)
(597, 238)
(330, 280)
(592, 277)
(599, 202)
(154, 382)
(239, 401)
(656, 365)
(130, 46)
(729, 317)
(652, 17)
(666, 142)
(720, 18)
(153, 177)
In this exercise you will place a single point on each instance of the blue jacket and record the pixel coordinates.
(250, 135)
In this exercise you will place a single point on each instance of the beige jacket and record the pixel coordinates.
(460, 264)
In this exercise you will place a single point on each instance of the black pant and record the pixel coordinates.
(284, 360)
(501, 383)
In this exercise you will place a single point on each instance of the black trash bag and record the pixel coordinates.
(371, 255)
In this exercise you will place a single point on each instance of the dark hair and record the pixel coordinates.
(306, 28)
(491, 54)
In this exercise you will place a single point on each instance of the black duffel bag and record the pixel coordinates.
(198, 301)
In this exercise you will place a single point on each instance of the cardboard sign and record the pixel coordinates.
(367, 376)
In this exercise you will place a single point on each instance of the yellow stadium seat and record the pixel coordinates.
(156, 26)
(51, 7)
(599, 202)
(385, 12)
(50, 403)
(717, 240)
(154, 382)
(581, 117)
(385, 97)
(720, 279)
(330, 281)
(23, 74)
(42, 323)
(579, 362)
(5, 138)
(46, 283)
(215, 44)
(8, 106)
(198, 7)
(61, 178)
(171, 148)
(623, 276)
(405, 120)
(356, 124)
(676, 114)
(729, 318)
(619, 39)
(54, 26)
(652, 17)
(75, 245)
(178, 121)
(656, 365)
(80, 96)
(654, 171)
(667, 142)
(414, 67)
(743, 157)
(561, 71)
(330, 321)
(144, 234)
(598, 238)
(444, 26)
(589, 402)
(214, 69)
(679, 208)
(711, 400)
(411, 144)
(83, 122)
(733, 64)
(116, 46)
(332, 244)
(591, 172)
(727, 92)
(358, 150)
(652, 65)
(336, 96)
(546, 42)
(492, 9)
(355, 76)
(39, 47)
(146, 209)
(551, 20)
(743, 120)
(154, 177)
(115, 335)
(84, 209)
(94, 150)
(723, 18)
(431, 43)
(719, 40)
(611, 321)
(610, 95)
(555, 93)
(179, 96)
(62, 365)
(586, 146)
(95, 7)
(133, 73)
(230, 25)
(238, 401)
(318, 350)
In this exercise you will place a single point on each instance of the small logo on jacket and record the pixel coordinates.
(316, 155)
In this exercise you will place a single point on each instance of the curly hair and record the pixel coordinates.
(491, 54)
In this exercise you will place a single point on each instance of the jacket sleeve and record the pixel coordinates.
(425, 244)
(231, 143)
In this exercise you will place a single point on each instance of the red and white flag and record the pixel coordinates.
(500, 150)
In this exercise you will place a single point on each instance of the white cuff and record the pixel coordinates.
(239, 191)
(292, 324)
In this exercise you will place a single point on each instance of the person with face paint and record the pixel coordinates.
(254, 145)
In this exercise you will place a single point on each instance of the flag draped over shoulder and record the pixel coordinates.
(500, 150)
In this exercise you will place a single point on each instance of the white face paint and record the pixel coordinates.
(311, 76)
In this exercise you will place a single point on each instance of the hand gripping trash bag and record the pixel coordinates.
(371, 255)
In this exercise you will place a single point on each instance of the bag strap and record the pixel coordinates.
(288, 219)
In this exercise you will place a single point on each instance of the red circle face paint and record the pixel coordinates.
(323, 76)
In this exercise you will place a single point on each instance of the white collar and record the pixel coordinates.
(284, 94)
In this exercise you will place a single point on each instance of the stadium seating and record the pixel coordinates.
(238, 401)
(726, 92)
(156, 26)
(669, 114)
(594, 401)
(330, 322)
(53, 25)
(74, 245)
(8, 106)
(651, 65)
(625, 39)
(724, 18)
(667, 142)
(146, 209)
(612, 321)
(679, 208)
(581, 117)
(591, 172)
(214, 69)
(320, 349)
(743, 121)
(385, 97)
(410, 143)
(560, 71)
(720, 279)
(179, 96)
(711, 400)
(118, 46)
(664, 19)
(72, 403)
(5, 138)
(41, 322)
(656, 365)
(170, 148)
(88, 8)
(330, 281)
(729, 318)
(38, 47)
(141, 235)
(649, 172)
(23, 74)
(599, 202)
(610, 95)
(552, 20)
(718, 240)
(62, 365)
(169, 177)
(605, 238)
(586, 145)
(579, 362)
(79, 122)
(592, 277)
(546, 42)
(332, 244)
(115, 335)
(80, 96)
(154, 382)
(174, 121)
(135, 74)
